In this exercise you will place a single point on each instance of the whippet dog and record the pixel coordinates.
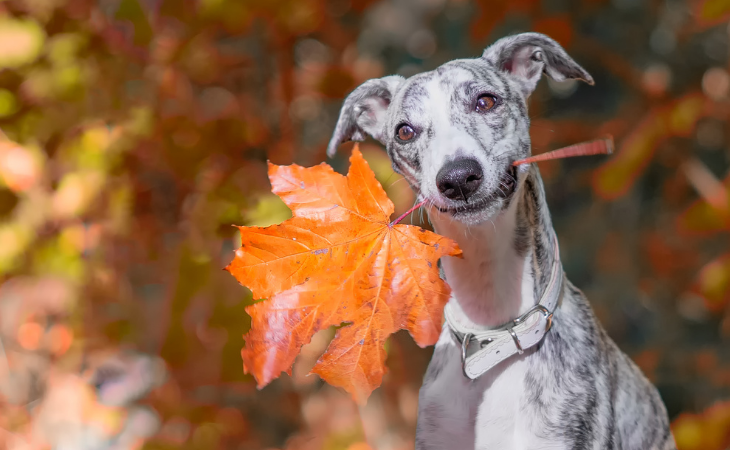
(522, 362)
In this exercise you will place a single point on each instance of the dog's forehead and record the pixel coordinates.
(449, 77)
(460, 70)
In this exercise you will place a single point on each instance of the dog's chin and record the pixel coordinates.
(475, 212)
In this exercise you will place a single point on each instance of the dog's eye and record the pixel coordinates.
(405, 132)
(486, 102)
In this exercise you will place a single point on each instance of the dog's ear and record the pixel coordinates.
(364, 111)
(525, 56)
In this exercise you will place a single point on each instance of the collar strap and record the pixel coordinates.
(482, 349)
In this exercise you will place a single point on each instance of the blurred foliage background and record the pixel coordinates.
(136, 132)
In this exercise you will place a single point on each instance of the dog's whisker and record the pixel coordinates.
(396, 181)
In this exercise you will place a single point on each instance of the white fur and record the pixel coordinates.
(492, 270)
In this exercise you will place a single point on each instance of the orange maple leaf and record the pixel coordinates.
(338, 260)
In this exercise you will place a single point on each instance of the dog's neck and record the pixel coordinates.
(507, 262)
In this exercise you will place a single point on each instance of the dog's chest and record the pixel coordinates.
(491, 412)
(505, 419)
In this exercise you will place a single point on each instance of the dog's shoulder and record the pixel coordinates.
(602, 391)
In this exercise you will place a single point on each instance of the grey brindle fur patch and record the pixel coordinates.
(576, 389)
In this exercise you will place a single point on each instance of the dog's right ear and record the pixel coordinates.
(364, 111)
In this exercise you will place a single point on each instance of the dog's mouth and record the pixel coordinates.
(507, 187)
(508, 182)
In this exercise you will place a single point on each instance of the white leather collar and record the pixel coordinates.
(482, 349)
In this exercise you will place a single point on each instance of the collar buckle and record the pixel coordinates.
(510, 326)
(464, 338)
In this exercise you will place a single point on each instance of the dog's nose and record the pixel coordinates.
(459, 179)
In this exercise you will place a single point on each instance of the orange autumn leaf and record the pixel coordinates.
(677, 118)
(709, 430)
(711, 12)
(338, 260)
(701, 218)
(712, 212)
(713, 283)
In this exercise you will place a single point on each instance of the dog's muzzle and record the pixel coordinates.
(459, 181)
(482, 349)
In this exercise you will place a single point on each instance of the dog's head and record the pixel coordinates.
(454, 132)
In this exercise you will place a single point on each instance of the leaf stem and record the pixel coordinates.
(403, 216)
(602, 146)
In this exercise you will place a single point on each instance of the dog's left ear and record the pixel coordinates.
(526, 56)
(364, 111)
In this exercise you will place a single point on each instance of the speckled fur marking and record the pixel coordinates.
(576, 389)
